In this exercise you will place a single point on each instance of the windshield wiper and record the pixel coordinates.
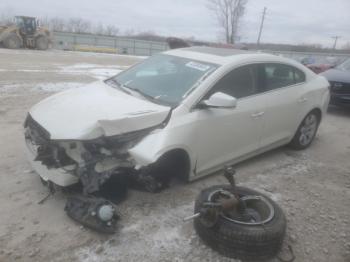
(149, 97)
(119, 85)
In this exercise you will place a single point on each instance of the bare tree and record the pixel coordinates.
(111, 30)
(78, 25)
(228, 14)
(98, 29)
(57, 24)
(6, 19)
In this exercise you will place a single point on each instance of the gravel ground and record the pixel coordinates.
(312, 186)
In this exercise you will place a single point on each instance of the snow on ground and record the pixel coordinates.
(96, 71)
(55, 87)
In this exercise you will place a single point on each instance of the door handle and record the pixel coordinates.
(259, 114)
(302, 100)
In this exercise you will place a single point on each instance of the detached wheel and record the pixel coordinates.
(306, 132)
(255, 235)
(42, 43)
(12, 41)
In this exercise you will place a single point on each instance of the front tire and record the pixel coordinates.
(12, 41)
(306, 131)
(42, 43)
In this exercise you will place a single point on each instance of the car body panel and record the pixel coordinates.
(337, 75)
(339, 86)
(95, 110)
(239, 132)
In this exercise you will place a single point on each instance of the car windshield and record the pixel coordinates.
(164, 79)
(345, 66)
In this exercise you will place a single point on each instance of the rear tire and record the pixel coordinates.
(42, 43)
(12, 41)
(306, 131)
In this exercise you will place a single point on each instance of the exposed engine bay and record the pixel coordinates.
(103, 168)
(92, 161)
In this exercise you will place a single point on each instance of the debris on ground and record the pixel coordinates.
(95, 213)
(239, 222)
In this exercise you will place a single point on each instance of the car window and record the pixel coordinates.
(165, 79)
(238, 83)
(299, 76)
(280, 75)
(345, 65)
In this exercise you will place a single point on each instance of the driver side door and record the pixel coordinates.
(224, 135)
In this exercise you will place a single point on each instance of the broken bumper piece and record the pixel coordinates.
(95, 213)
(58, 176)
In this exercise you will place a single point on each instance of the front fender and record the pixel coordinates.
(152, 147)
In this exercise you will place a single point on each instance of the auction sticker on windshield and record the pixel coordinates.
(198, 66)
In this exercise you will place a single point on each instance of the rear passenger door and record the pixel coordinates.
(283, 88)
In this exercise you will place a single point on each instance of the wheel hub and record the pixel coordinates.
(255, 210)
(308, 130)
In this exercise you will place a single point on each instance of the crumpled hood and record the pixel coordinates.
(95, 110)
(337, 75)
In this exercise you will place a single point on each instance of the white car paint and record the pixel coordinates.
(211, 137)
(94, 110)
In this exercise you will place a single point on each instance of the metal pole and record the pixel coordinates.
(134, 47)
(261, 27)
(335, 41)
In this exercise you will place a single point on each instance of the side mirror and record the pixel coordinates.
(220, 100)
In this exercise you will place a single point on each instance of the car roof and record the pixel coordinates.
(222, 56)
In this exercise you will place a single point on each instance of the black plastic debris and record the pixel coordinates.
(95, 213)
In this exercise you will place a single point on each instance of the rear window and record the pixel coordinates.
(280, 75)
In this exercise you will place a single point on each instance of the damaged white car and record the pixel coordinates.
(184, 113)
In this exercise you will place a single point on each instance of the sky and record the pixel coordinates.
(287, 21)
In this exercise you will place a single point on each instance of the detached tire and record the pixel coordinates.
(42, 43)
(12, 41)
(246, 242)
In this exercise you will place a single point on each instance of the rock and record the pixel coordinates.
(34, 252)
(35, 222)
(18, 256)
(293, 238)
(325, 250)
(99, 250)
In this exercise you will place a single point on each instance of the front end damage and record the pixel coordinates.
(90, 162)
(102, 166)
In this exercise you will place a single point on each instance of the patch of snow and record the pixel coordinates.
(56, 87)
(144, 237)
(99, 72)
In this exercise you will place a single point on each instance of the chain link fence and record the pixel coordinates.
(123, 45)
(106, 44)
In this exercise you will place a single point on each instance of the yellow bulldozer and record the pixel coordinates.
(26, 33)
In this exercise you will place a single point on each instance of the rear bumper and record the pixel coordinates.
(58, 176)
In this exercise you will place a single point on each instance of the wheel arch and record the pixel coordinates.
(317, 111)
(181, 157)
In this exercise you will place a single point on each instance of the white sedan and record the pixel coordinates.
(183, 113)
